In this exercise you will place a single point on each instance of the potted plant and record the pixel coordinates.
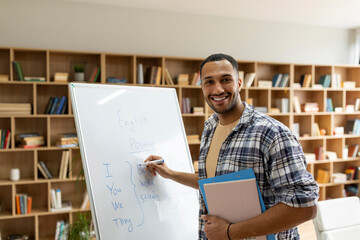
(79, 74)
(82, 229)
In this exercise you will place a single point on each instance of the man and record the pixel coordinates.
(238, 137)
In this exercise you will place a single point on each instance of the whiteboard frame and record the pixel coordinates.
(72, 88)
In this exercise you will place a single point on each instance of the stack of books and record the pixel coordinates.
(67, 140)
(15, 108)
(29, 140)
(23, 203)
(311, 107)
(57, 204)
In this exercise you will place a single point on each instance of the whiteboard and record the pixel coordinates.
(119, 127)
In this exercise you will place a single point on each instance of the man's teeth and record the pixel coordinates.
(219, 99)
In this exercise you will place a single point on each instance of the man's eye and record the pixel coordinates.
(208, 82)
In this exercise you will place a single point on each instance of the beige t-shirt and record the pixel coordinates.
(220, 134)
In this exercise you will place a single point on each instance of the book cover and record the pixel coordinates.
(42, 171)
(53, 105)
(46, 169)
(62, 102)
(18, 208)
(97, 74)
(249, 79)
(29, 204)
(48, 106)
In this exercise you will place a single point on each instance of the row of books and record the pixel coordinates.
(63, 169)
(15, 108)
(56, 105)
(67, 140)
(5, 137)
(20, 75)
(280, 80)
(305, 80)
(29, 140)
(353, 126)
(152, 75)
(61, 230)
(23, 203)
(56, 201)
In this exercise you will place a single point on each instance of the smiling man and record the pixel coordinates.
(237, 137)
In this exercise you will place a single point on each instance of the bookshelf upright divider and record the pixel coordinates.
(277, 102)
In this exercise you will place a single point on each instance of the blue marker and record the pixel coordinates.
(160, 161)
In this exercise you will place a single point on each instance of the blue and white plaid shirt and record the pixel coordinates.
(273, 152)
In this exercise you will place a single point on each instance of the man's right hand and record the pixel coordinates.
(154, 168)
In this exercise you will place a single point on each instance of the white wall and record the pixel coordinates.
(91, 27)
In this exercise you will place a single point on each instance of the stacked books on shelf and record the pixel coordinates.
(57, 204)
(5, 136)
(44, 170)
(67, 140)
(116, 80)
(15, 108)
(353, 126)
(311, 107)
(61, 231)
(23, 203)
(56, 105)
(4, 78)
(34, 79)
(197, 110)
(61, 77)
(64, 164)
(29, 140)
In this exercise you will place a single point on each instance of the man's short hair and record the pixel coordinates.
(219, 57)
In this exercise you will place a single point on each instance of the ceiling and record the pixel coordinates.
(329, 13)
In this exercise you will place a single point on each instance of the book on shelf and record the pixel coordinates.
(323, 176)
(284, 80)
(264, 83)
(197, 110)
(353, 126)
(350, 108)
(249, 79)
(296, 104)
(196, 81)
(357, 104)
(349, 84)
(320, 153)
(61, 105)
(331, 155)
(295, 127)
(94, 75)
(65, 206)
(316, 129)
(67, 140)
(351, 173)
(34, 79)
(15, 108)
(45, 171)
(18, 236)
(336, 81)
(4, 78)
(353, 150)
(275, 110)
(30, 140)
(185, 105)
(23, 203)
(329, 105)
(305, 80)
(5, 135)
(276, 80)
(153, 75)
(61, 230)
(339, 177)
(183, 79)
(168, 77)
(325, 80)
(282, 104)
(18, 71)
(311, 107)
(64, 164)
(352, 190)
(61, 77)
(115, 80)
(310, 157)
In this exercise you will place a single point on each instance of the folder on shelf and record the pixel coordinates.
(224, 197)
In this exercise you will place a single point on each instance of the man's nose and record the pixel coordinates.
(218, 88)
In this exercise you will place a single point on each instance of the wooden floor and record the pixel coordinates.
(307, 231)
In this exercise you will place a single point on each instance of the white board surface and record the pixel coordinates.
(119, 127)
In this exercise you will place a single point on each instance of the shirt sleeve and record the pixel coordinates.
(292, 184)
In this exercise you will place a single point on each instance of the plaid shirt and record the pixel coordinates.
(273, 152)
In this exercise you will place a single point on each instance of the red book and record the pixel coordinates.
(7, 139)
(320, 154)
(31, 146)
(17, 198)
(29, 204)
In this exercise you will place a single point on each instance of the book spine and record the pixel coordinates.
(60, 105)
(47, 171)
(22, 204)
(97, 74)
(48, 106)
(18, 208)
(53, 105)
(58, 198)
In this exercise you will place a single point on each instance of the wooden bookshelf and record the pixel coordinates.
(41, 223)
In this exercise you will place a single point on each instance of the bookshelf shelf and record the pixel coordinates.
(45, 63)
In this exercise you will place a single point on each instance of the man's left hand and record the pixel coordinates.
(215, 227)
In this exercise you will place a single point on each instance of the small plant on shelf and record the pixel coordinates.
(79, 74)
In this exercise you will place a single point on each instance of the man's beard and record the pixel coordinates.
(231, 106)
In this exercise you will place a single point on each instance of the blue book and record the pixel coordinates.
(235, 176)
(53, 105)
(60, 105)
